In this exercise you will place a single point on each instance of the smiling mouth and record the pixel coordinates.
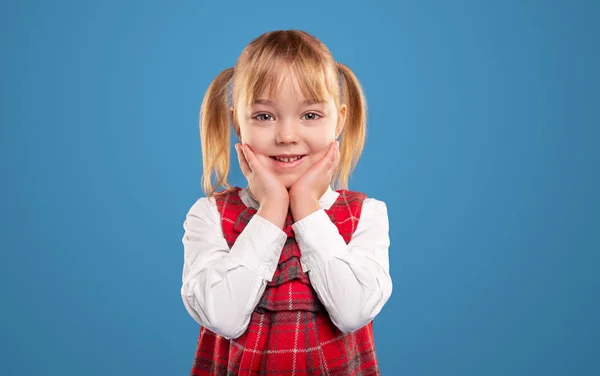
(287, 159)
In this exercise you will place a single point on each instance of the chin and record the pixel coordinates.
(288, 182)
(288, 185)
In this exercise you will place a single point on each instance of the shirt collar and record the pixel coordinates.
(325, 201)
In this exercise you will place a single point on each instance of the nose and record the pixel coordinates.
(287, 133)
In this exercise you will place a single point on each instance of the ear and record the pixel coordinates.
(234, 123)
(341, 120)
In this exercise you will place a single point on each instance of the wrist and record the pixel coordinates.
(275, 211)
(302, 207)
(297, 196)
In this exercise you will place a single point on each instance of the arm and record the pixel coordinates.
(352, 280)
(222, 286)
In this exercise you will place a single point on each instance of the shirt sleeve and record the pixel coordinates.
(222, 286)
(352, 280)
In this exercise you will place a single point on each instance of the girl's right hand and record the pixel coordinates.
(263, 184)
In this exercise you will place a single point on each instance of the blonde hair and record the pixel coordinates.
(259, 68)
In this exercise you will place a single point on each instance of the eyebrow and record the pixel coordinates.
(270, 102)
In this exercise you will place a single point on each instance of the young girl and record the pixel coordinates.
(285, 275)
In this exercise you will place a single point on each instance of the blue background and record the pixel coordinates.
(483, 141)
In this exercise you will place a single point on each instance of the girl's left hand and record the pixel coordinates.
(313, 183)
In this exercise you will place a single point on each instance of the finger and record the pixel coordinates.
(242, 160)
(335, 158)
(337, 155)
(324, 165)
(331, 153)
(251, 158)
(336, 148)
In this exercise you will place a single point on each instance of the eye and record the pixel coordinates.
(262, 117)
(314, 116)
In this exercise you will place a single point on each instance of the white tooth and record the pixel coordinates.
(287, 160)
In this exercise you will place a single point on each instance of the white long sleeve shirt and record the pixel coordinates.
(222, 286)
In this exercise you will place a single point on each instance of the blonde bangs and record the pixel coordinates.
(275, 62)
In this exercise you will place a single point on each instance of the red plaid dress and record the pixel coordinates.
(290, 331)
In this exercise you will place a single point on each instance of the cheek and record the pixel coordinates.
(256, 140)
(320, 142)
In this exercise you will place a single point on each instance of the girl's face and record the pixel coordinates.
(289, 127)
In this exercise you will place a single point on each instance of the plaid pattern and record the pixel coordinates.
(290, 331)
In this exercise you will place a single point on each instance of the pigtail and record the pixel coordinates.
(355, 129)
(214, 133)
